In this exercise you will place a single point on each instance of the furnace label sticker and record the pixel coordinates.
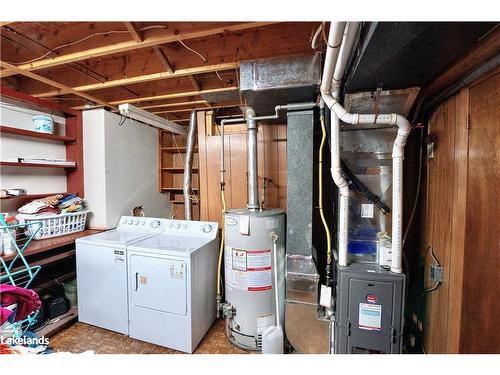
(370, 317)
(367, 210)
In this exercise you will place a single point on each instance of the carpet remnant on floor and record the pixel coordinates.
(81, 337)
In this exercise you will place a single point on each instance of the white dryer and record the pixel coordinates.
(172, 285)
(101, 267)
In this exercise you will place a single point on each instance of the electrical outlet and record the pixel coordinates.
(436, 273)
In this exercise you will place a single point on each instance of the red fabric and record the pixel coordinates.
(27, 301)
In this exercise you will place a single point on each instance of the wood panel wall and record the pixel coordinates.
(271, 164)
(462, 222)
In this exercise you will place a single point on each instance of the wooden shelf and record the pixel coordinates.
(175, 150)
(178, 169)
(57, 324)
(40, 246)
(33, 134)
(176, 189)
(34, 165)
(27, 197)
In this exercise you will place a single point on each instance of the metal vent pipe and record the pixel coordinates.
(188, 165)
(253, 184)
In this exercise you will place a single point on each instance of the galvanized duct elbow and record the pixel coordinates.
(188, 164)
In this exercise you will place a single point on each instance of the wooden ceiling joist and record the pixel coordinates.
(198, 108)
(174, 95)
(194, 82)
(169, 37)
(55, 84)
(144, 78)
(134, 31)
(163, 59)
(168, 105)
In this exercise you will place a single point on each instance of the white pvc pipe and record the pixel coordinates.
(331, 100)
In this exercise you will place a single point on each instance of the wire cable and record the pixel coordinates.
(192, 50)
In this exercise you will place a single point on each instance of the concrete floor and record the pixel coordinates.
(81, 337)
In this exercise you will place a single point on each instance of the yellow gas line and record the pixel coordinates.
(320, 171)
(221, 249)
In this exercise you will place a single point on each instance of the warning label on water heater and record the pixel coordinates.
(248, 269)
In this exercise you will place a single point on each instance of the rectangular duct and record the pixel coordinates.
(267, 82)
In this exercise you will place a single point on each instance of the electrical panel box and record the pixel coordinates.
(370, 310)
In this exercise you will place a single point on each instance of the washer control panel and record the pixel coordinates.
(204, 228)
(143, 224)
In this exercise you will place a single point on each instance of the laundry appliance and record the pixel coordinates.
(172, 284)
(101, 266)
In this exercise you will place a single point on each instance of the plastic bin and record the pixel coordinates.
(54, 225)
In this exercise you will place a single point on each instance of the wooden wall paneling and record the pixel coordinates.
(481, 294)
(212, 145)
(238, 178)
(282, 167)
(440, 178)
(456, 262)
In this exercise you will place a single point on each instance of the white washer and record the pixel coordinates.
(101, 267)
(172, 285)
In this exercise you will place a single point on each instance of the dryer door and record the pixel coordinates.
(158, 283)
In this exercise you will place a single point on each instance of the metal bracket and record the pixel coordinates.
(436, 273)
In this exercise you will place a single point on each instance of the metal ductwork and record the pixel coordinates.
(280, 80)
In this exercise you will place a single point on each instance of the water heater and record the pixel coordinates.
(249, 273)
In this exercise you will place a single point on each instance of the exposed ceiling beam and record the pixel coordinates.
(55, 84)
(163, 59)
(487, 48)
(171, 36)
(174, 95)
(165, 96)
(198, 108)
(194, 82)
(179, 104)
(144, 78)
(134, 31)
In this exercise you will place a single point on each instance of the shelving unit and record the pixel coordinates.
(40, 246)
(28, 197)
(72, 138)
(172, 152)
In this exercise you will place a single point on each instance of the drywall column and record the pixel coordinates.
(253, 185)
(188, 164)
(300, 176)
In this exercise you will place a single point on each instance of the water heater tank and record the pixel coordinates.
(249, 273)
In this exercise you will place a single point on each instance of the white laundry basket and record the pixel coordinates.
(54, 225)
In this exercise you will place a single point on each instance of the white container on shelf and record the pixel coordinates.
(43, 124)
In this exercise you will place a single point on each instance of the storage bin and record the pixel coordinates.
(54, 225)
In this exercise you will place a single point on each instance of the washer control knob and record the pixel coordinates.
(124, 221)
(177, 226)
(143, 222)
(185, 226)
(155, 224)
(207, 228)
(130, 221)
(136, 222)
(171, 225)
